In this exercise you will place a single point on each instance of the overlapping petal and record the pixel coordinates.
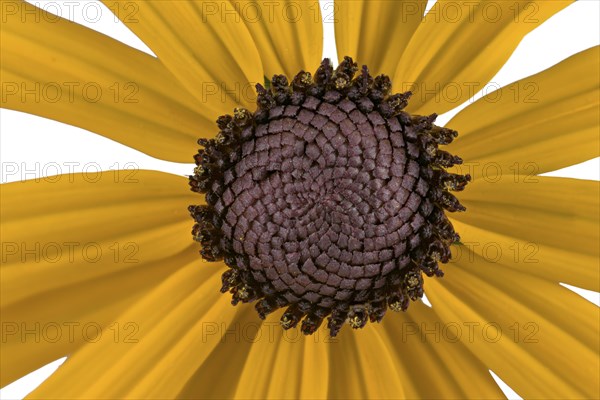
(58, 216)
(460, 46)
(540, 226)
(288, 34)
(54, 324)
(171, 344)
(219, 376)
(538, 124)
(416, 355)
(78, 248)
(205, 45)
(523, 323)
(63, 71)
(375, 32)
(271, 377)
(435, 343)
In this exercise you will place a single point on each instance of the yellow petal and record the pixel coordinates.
(316, 371)
(288, 34)
(281, 383)
(375, 33)
(460, 46)
(217, 377)
(63, 71)
(173, 341)
(408, 364)
(538, 124)
(365, 349)
(541, 226)
(416, 356)
(64, 225)
(348, 378)
(516, 323)
(204, 44)
(43, 328)
(434, 363)
(259, 364)
(527, 257)
(285, 364)
(65, 237)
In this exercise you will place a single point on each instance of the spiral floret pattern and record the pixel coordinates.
(328, 200)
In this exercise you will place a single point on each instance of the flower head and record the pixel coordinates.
(328, 200)
(167, 332)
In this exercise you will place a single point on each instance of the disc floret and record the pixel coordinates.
(328, 200)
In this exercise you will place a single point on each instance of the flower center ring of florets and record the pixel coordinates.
(328, 200)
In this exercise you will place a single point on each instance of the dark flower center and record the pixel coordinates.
(328, 200)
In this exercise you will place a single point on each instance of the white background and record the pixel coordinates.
(31, 142)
